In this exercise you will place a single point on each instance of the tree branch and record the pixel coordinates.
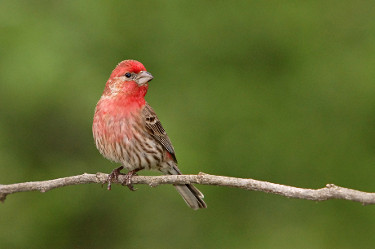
(330, 191)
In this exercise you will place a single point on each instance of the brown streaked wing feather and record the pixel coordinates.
(156, 130)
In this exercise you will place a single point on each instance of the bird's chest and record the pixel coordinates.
(124, 139)
(116, 130)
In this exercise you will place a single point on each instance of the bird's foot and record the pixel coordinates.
(128, 179)
(114, 176)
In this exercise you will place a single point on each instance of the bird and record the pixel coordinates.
(127, 131)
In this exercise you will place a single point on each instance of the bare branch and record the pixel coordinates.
(330, 191)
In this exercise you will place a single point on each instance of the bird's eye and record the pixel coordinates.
(128, 75)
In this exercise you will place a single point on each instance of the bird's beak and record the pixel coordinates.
(143, 77)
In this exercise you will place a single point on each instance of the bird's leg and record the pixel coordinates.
(114, 175)
(128, 179)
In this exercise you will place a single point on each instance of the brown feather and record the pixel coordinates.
(156, 130)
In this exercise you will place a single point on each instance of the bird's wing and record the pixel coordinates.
(156, 130)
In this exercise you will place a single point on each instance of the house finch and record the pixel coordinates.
(127, 131)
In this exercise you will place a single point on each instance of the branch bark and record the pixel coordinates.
(330, 191)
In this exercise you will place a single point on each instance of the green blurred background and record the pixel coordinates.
(270, 90)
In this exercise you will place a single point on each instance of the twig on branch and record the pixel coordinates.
(330, 191)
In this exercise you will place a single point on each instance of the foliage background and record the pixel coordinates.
(276, 91)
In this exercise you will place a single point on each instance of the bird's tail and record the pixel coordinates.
(192, 196)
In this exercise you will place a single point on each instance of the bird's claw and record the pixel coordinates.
(128, 179)
(114, 176)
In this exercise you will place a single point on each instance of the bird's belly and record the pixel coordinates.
(134, 150)
(139, 154)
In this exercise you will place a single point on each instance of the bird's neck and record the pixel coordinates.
(121, 103)
(130, 102)
(123, 97)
